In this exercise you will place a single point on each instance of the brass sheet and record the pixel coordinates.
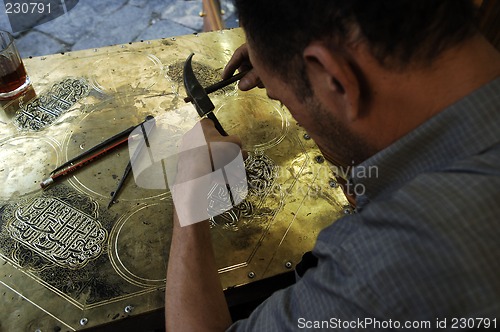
(66, 260)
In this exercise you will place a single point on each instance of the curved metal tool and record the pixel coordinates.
(199, 96)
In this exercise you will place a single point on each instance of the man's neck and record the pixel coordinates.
(408, 98)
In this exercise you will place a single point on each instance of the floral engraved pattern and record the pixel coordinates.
(261, 175)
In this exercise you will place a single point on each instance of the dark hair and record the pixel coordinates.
(397, 32)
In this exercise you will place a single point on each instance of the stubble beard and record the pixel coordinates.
(336, 141)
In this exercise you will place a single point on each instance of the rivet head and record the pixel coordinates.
(251, 275)
(288, 265)
(84, 321)
(128, 309)
(319, 159)
(333, 183)
(347, 210)
(307, 137)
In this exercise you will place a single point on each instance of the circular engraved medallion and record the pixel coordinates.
(114, 72)
(259, 122)
(139, 245)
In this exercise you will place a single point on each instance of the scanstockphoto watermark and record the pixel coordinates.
(314, 189)
(361, 323)
(202, 177)
(369, 323)
(307, 182)
(358, 172)
(219, 181)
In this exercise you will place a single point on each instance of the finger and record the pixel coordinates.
(241, 61)
(239, 58)
(212, 134)
(250, 81)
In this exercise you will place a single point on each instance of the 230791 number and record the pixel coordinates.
(27, 8)
(473, 323)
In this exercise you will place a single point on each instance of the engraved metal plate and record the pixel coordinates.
(66, 262)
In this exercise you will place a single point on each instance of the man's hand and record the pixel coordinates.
(209, 164)
(194, 297)
(200, 154)
(241, 61)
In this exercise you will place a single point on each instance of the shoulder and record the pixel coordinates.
(426, 248)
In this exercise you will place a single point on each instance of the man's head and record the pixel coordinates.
(397, 32)
(290, 38)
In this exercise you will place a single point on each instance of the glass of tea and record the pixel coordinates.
(13, 78)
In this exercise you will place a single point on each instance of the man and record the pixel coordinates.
(411, 88)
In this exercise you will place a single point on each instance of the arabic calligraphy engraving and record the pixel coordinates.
(48, 107)
(57, 231)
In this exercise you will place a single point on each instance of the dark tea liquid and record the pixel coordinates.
(11, 78)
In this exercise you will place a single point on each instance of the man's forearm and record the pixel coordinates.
(194, 297)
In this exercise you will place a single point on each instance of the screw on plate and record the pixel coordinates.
(319, 159)
(84, 321)
(251, 275)
(333, 183)
(347, 210)
(307, 137)
(128, 309)
(288, 265)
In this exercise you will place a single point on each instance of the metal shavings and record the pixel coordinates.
(48, 107)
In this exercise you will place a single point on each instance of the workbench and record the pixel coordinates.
(115, 276)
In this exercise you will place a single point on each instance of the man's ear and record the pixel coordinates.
(333, 79)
